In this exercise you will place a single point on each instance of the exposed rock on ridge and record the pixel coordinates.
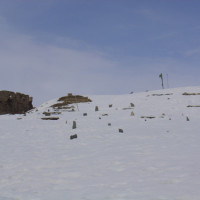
(70, 99)
(14, 103)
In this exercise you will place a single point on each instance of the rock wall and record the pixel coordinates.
(14, 103)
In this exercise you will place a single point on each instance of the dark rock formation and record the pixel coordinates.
(70, 99)
(14, 103)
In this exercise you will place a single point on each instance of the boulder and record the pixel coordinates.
(14, 103)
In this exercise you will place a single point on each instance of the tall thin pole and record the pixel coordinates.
(161, 76)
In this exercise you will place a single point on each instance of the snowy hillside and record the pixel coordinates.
(155, 158)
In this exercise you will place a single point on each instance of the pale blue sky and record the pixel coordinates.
(51, 47)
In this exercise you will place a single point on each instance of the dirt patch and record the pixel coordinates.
(51, 113)
(148, 117)
(50, 118)
(162, 94)
(185, 93)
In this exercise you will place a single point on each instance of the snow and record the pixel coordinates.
(153, 159)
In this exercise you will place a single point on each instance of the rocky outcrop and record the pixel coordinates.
(70, 99)
(14, 103)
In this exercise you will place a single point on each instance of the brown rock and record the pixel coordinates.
(70, 99)
(14, 103)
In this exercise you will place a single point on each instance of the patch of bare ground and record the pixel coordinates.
(148, 117)
(185, 93)
(162, 94)
(50, 118)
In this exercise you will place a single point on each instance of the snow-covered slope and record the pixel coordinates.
(155, 158)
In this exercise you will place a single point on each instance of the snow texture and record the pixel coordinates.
(155, 158)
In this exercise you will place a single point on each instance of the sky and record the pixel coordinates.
(49, 48)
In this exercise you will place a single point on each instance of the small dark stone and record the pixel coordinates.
(96, 108)
(110, 106)
(74, 125)
(132, 113)
(132, 105)
(187, 119)
(121, 130)
(109, 124)
(73, 137)
(46, 113)
(84, 114)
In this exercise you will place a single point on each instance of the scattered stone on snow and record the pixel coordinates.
(51, 113)
(121, 130)
(193, 106)
(109, 124)
(132, 113)
(96, 108)
(163, 115)
(148, 117)
(132, 104)
(187, 118)
(185, 93)
(127, 108)
(73, 136)
(50, 118)
(162, 94)
(84, 114)
(110, 106)
(74, 125)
